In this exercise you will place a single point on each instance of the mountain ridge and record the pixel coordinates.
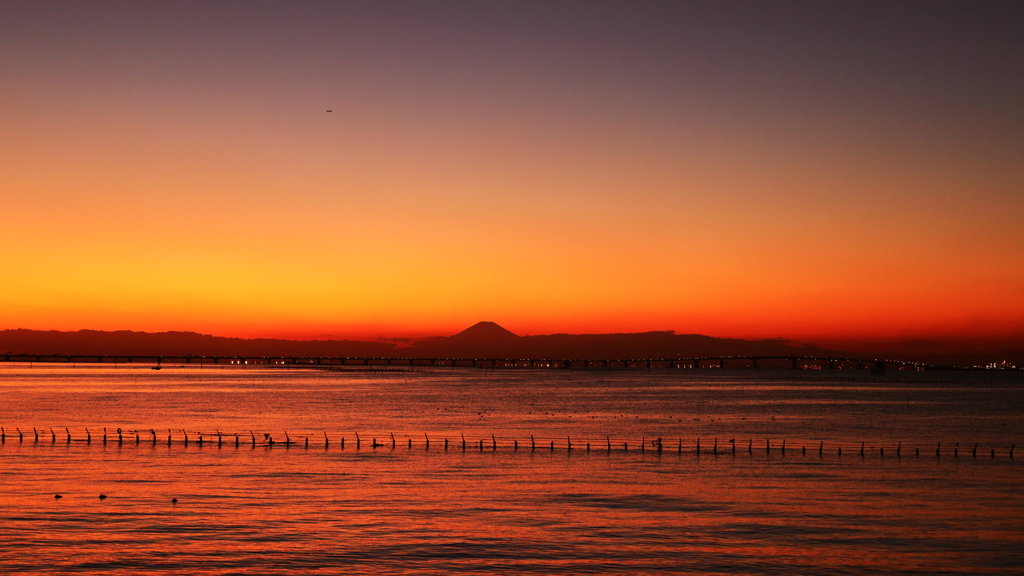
(484, 339)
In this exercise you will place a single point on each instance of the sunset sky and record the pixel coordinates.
(817, 171)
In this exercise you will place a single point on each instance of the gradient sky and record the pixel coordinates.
(815, 171)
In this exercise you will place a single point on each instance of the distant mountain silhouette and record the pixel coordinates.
(482, 340)
(484, 332)
(129, 343)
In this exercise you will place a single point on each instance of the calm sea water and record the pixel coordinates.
(328, 509)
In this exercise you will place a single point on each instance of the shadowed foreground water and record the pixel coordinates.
(272, 510)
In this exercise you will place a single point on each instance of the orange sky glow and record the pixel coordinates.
(553, 173)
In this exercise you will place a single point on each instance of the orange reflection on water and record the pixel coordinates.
(284, 508)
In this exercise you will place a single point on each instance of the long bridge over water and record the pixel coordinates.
(696, 363)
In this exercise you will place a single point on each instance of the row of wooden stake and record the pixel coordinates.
(657, 444)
